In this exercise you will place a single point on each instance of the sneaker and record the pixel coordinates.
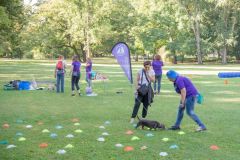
(132, 120)
(174, 128)
(73, 94)
(80, 94)
(199, 129)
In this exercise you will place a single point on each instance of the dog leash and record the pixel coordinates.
(145, 110)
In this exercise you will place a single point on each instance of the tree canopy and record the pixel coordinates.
(200, 29)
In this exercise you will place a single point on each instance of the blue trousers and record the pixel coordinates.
(157, 83)
(88, 79)
(60, 82)
(189, 105)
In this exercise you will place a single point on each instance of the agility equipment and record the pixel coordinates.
(229, 74)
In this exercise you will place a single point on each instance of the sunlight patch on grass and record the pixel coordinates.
(214, 85)
(10, 76)
(47, 64)
(167, 91)
(205, 82)
(232, 100)
(169, 96)
(49, 78)
(224, 92)
(107, 72)
(193, 76)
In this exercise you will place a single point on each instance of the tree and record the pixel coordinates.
(226, 25)
(54, 30)
(11, 23)
(194, 10)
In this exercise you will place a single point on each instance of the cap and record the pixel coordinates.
(172, 74)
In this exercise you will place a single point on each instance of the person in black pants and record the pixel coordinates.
(144, 77)
(75, 72)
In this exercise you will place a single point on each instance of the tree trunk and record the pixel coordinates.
(224, 55)
(88, 54)
(198, 41)
(219, 55)
(136, 57)
(182, 58)
(76, 51)
(174, 60)
(196, 28)
(83, 52)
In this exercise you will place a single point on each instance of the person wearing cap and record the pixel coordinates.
(144, 77)
(188, 92)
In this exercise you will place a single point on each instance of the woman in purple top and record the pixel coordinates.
(188, 92)
(157, 67)
(88, 72)
(75, 72)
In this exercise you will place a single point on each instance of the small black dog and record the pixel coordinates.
(150, 124)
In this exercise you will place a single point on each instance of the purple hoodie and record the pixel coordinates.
(157, 66)
(183, 82)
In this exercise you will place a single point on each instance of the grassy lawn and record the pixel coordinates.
(45, 110)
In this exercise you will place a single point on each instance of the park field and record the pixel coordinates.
(78, 122)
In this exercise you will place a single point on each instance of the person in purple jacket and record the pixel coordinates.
(188, 92)
(89, 72)
(75, 72)
(157, 64)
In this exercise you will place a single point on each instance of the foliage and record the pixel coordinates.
(90, 28)
(11, 23)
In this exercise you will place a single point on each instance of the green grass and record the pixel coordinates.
(220, 112)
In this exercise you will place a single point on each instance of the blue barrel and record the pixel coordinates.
(228, 74)
(24, 85)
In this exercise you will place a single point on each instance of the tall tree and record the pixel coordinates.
(11, 23)
(194, 10)
(226, 24)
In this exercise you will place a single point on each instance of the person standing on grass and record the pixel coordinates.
(188, 94)
(144, 77)
(75, 73)
(89, 72)
(59, 73)
(157, 64)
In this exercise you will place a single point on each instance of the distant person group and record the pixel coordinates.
(152, 72)
(75, 73)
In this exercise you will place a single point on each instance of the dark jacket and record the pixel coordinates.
(150, 95)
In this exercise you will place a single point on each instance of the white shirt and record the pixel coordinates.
(141, 73)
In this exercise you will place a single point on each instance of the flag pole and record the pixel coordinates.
(130, 63)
